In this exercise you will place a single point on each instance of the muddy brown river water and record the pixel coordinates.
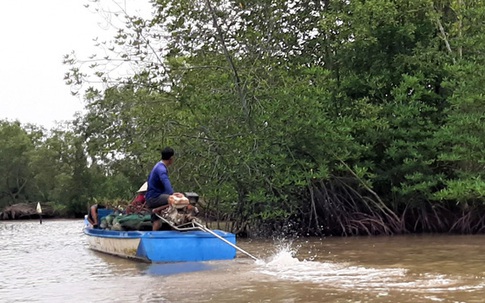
(51, 263)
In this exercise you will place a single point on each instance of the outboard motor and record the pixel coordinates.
(193, 197)
(181, 209)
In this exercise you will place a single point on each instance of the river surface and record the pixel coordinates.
(50, 262)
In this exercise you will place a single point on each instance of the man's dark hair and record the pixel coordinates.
(167, 153)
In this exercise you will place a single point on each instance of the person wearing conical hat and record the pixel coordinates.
(143, 188)
(140, 198)
(139, 201)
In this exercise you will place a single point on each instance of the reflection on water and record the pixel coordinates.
(51, 263)
(177, 268)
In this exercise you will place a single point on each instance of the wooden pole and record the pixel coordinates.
(39, 211)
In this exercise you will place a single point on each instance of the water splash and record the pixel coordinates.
(284, 265)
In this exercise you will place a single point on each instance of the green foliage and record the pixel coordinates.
(15, 146)
(53, 167)
(464, 190)
(342, 116)
(462, 136)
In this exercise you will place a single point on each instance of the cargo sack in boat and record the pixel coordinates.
(104, 224)
(133, 221)
(108, 221)
(116, 224)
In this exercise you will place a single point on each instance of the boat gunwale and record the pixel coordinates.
(163, 234)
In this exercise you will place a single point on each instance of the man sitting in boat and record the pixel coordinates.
(160, 196)
(159, 186)
(93, 215)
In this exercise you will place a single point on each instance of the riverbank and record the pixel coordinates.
(23, 211)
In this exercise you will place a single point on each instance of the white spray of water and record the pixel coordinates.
(285, 266)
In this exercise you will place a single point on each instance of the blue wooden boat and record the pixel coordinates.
(186, 242)
(164, 246)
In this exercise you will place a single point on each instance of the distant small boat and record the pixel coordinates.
(163, 246)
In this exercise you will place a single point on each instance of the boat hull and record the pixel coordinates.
(162, 246)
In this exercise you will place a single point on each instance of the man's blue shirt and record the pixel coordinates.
(158, 182)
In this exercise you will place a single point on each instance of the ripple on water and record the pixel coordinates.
(283, 265)
(51, 263)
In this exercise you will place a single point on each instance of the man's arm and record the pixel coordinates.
(166, 183)
(94, 214)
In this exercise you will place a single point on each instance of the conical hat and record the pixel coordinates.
(143, 188)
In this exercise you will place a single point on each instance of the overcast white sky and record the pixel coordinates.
(35, 36)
